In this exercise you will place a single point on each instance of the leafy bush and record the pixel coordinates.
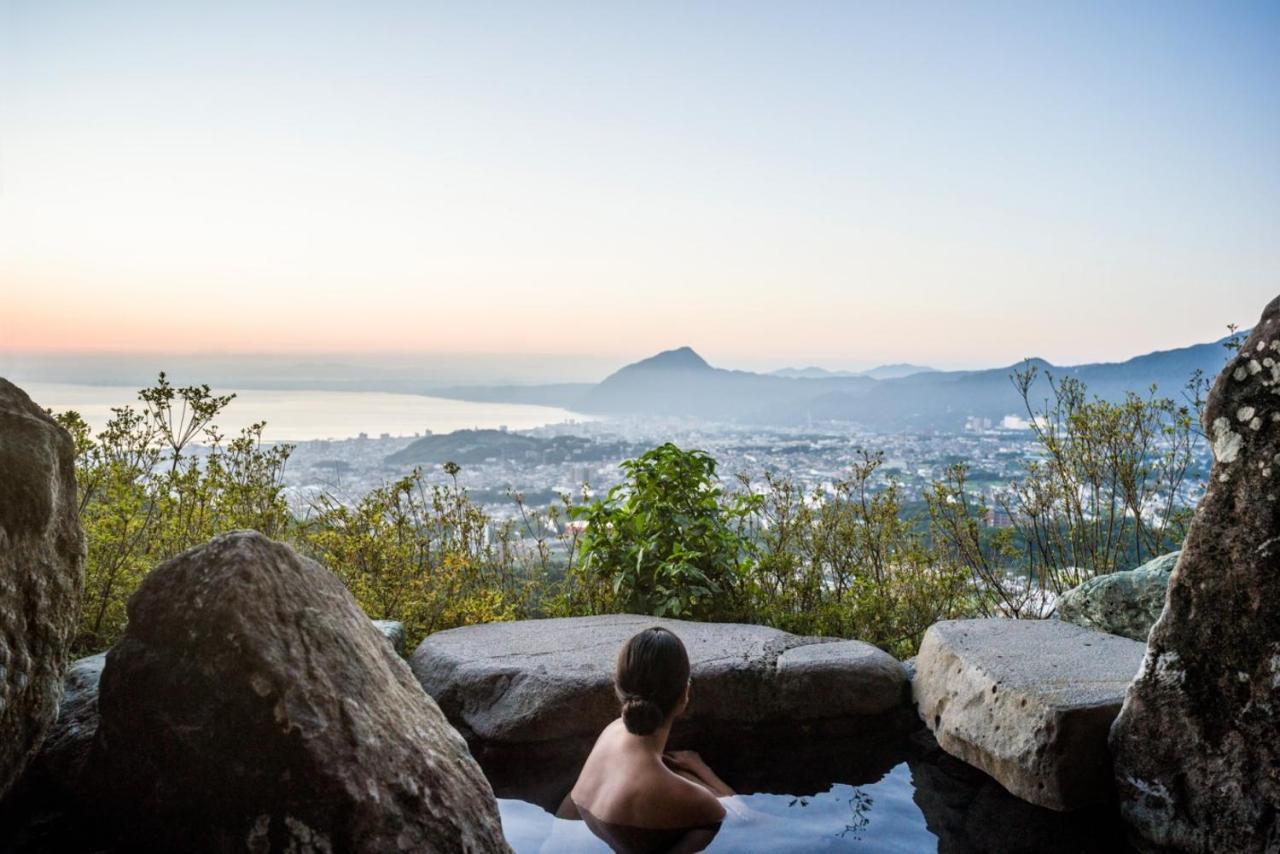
(667, 541)
(1101, 496)
(423, 555)
(851, 564)
(147, 495)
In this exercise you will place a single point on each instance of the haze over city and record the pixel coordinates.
(839, 184)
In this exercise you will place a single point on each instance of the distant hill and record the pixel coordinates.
(892, 372)
(893, 397)
(810, 373)
(944, 400)
(883, 372)
(478, 446)
(680, 359)
(680, 382)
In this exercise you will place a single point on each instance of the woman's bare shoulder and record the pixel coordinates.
(692, 805)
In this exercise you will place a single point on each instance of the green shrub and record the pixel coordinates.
(851, 564)
(146, 495)
(1100, 495)
(424, 555)
(667, 541)
(670, 540)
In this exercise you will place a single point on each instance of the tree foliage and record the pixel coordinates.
(844, 559)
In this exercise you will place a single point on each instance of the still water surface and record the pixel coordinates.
(301, 415)
(878, 817)
(860, 793)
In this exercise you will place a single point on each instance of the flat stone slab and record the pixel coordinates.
(1029, 702)
(545, 680)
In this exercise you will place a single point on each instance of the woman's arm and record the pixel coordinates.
(694, 768)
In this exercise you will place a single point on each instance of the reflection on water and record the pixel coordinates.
(925, 801)
(880, 816)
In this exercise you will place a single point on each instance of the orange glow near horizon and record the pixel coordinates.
(439, 180)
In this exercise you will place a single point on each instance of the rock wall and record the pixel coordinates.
(41, 574)
(1197, 744)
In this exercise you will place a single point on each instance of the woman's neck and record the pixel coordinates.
(656, 741)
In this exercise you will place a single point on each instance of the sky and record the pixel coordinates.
(843, 184)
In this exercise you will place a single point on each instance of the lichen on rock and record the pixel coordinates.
(1197, 744)
(41, 574)
(1124, 603)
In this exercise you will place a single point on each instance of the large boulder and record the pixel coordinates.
(66, 748)
(41, 574)
(1122, 603)
(250, 706)
(1197, 745)
(1027, 701)
(547, 681)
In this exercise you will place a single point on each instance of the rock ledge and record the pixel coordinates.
(1027, 701)
(538, 681)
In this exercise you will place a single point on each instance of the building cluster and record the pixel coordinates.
(813, 457)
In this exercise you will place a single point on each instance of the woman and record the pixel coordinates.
(631, 793)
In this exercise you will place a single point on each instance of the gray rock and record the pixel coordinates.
(971, 813)
(62, 759)
(41, 574)
(1027, 701)
(851, 677)
(1122, 603)
(1197, 746)
(393, 631)
(546, 680)
(251, 706)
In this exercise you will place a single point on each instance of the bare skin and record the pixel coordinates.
(631, 780)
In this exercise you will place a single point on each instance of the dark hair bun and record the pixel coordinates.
(641, 716)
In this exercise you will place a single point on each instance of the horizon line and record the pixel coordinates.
(797, 364)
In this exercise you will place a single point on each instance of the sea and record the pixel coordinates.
(295, 415)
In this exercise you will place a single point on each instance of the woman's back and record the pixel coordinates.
(625, 782)
(631, 793)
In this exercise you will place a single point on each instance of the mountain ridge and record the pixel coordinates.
(679, 382)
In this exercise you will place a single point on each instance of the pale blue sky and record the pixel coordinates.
(841, 183)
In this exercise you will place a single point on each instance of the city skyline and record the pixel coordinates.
(823, 185)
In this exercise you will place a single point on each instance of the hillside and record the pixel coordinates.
(478, 446)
